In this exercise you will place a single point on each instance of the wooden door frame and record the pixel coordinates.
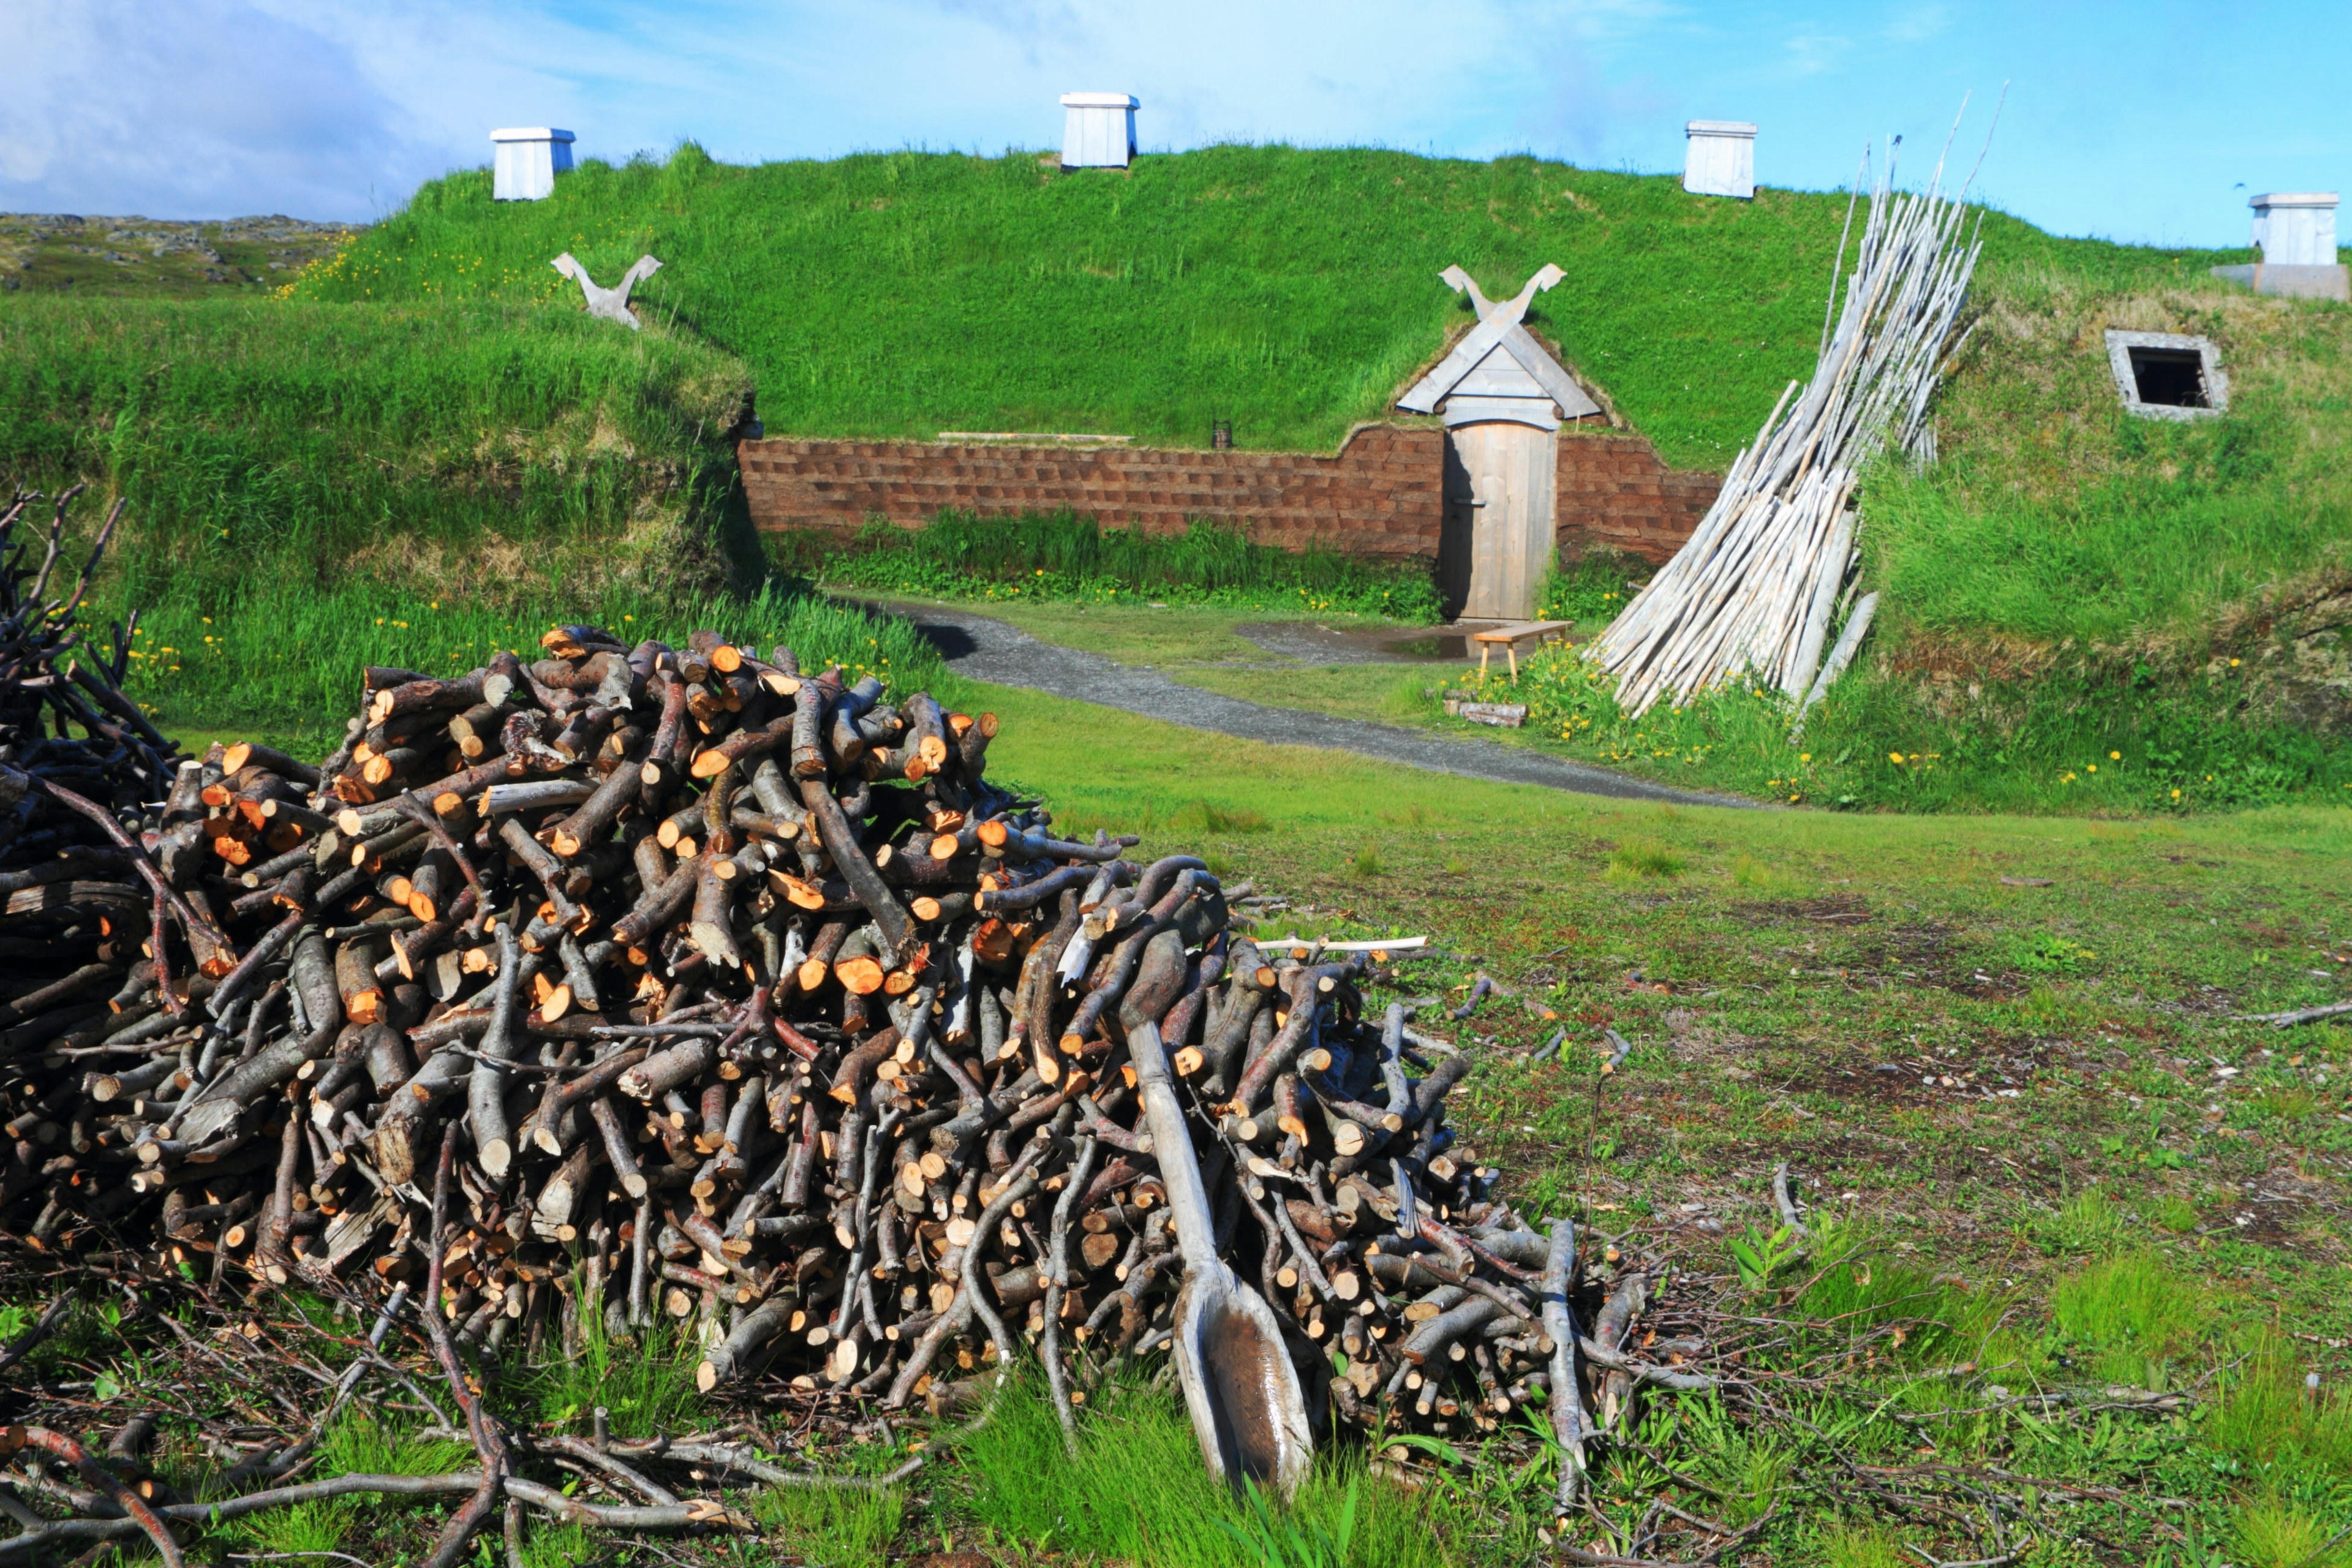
(1518, 563)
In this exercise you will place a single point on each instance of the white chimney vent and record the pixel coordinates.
(2295, 228)
(1719, 158)
(1098, 130)
(529, 159)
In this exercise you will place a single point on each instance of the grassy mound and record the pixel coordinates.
(315, 487)
(481, 451)
(1290, 290)
(2059, 534)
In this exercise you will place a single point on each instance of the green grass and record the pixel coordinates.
(2093, 742)
(846, 1527)
(646, 1387)
(2063, 744)
(2141, 1312)
(481, 451)
(2055, 515)
(1063, 558)
(1137, 1493)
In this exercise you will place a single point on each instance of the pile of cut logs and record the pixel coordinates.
(632, 984)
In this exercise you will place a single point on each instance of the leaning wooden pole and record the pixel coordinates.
(1751, 594)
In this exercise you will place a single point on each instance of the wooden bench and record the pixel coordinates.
(1510, 637)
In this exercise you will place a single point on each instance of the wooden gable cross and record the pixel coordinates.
(1499, 371)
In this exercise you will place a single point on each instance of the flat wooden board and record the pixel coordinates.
(1518, 634)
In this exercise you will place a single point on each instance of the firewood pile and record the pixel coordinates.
(635, 985)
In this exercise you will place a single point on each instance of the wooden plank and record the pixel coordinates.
(1497, 375)
(1520, 631)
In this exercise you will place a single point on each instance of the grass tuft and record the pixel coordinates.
(2269, 1417)
(647, 1387)
(2143, 1311)
(1137, 1493)
(1643, 858)
(842, 1527)
(1209, 817)
(2274, 1531)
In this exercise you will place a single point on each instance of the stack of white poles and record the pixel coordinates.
(1754, 591)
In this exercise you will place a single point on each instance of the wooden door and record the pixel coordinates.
(1496, 543)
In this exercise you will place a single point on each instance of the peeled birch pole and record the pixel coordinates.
(1857, 626)
(1752, 593)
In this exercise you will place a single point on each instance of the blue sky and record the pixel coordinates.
(2149, 122)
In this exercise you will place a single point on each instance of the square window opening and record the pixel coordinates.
(2172, 378)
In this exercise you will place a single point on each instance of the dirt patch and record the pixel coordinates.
(1694, 1040)
(1311, 643)
(1836, 909)
(1927, 952)
(2276, 1208)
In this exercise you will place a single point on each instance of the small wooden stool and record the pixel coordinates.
(1510, 637)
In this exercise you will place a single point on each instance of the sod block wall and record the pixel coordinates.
(1381, 497)
(1614, 493)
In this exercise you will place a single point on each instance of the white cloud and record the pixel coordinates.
(1916, 24)
(1811, 54)
(207, 106)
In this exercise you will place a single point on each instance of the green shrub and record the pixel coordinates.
(1592, 586)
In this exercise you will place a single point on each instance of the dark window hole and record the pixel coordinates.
(2173, 377)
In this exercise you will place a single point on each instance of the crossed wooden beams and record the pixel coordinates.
(1498, 325)
(613, 303)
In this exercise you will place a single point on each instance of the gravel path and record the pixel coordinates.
(988, 649)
